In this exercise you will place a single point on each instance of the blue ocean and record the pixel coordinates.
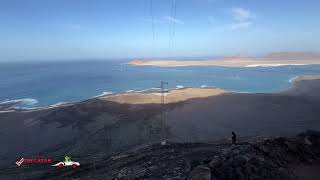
(41, 84)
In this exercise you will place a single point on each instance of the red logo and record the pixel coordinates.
(33, 161)
(18, 163)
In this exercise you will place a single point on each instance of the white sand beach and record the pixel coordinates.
(224, 62)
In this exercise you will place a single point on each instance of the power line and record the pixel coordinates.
(153, 28)
(172, 25)
(163, 110)
(174, 22)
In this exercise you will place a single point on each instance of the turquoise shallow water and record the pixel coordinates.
(38, 84)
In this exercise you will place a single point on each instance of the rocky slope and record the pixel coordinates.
(275, 158)
(98, 129)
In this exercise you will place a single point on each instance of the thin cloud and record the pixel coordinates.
(240, 19)
(241, 14)
(243, 18)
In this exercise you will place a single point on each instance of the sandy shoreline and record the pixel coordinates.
(302, 78)
(171, 96)
(224, 62)
(109, 126)
(178, 95)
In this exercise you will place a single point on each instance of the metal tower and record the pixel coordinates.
(163, 108)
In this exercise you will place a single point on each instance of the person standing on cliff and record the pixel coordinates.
(234, 138)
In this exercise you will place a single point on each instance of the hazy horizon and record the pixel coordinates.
(38, 30)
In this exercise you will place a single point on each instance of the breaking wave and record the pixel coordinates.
(179, 87)
(23, 101)
(293, 79)
(105, 93)
(273, 65)
(130, 91)
(206, 86)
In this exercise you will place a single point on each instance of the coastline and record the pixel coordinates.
(129, 125)
(171, 96)
(152, 96)
(249, 63)
(306, 77)
(184, 94)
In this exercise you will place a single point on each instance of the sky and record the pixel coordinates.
(115, 29)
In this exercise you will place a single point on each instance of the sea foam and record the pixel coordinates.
(105, 93)
(179, 87)
(273, 65)
(130, 91)
(23, 101)
(293, 79)
(59, 104)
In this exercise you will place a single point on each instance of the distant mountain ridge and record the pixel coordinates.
(293, 56)
(281, 55)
